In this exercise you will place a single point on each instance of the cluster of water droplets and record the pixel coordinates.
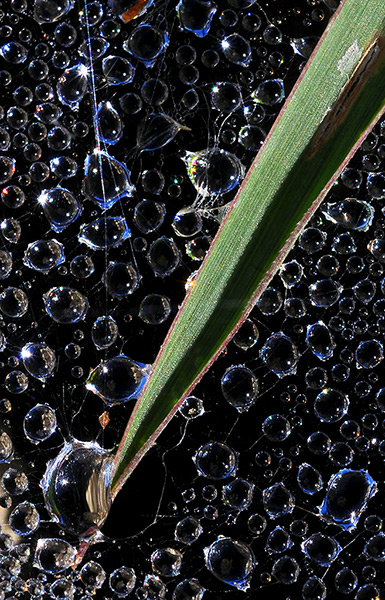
(125, 128)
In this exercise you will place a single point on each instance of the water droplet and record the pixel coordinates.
(24, 519)
(331, 405)
(188, 530)
(44, 255)
(154, 309)
(146, 43)
(166, 562)
(276, 428)
(122, 581)
(73, 85)
(188, 589)
(7, 168)
(109, 122)
(314, 589)
(286, 570)
(39, 423)
(322, 549)
(149, 215)
(320, 341)
(163, 256)
(76, 487)
(105, 232)
(65, 305)
(156, 131)
(191, 408)
(49, 11)
(39, 360)
(239, 387)
(104, 332)
(350, 213)
(309, 479)
(117, 70)
(214, 171)
(278, 500)
(280, 354)
(106, 179)
(238, 494)
(369, 354)
(236, 49)
(14, 53)
(92, 575)
(375, 547)
(324, 292)
(121, 279)
(347, 496)
(5, 264)
(54, 555)
(230, 561)
(278, 541)
(60, 207)
(269, 92)
(196, 15)
(118, 379)
(216, 460)
(15, 482)
(304, 46)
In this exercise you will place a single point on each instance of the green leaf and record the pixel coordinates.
(336, 101)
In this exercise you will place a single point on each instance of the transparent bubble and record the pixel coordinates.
(5, 263)
(54, 555)
(236, 49)
(73, 85)
(347, 496)
(92, 575)
(7, 168)
(62, 589)
(166, 562)
(60, 207)
(214, 171)
(39, 423)
(270, 301)
(106, 179)
(82, 266)
(65, 305)
(76, 487)
(364, 290)
(286, 570)
(238, 494)
(216, 460)
(146, 43)
(278, 541)
(24, 519)
(16, 382)
(375, 547)
(187, 223)
(154, 309)
(118, 379)
(309, 479)
(269, 92)
(350, 213)
(105, 232)
(230, 561)
(152, 181)
(15, 482)
(10, 230)
(121, 279)
(149, 215)
(251, 137)
(163, 256)
(104, 332)
(322, 549)
(294, 308)
(191, 408)
(276, 428)
(63, 167)
(280, 354)
(324, 292)
(278, 500)
(39, 360)
(368, 591)
(13, 302)
(345, 581)
(257, 524)
(122, 581)
(188, 589)
(117, 70)
(239, 387)
(196, 15)
(188, 530)
(369, 354)
(314, 589)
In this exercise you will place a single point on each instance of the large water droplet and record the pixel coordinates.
(322, 549)
(49, 11)
(73, 85)
(106, 232)
(39, 423)
(39, 360)
(65, 305)
(350, 213)
(106, 179)
(230, 561)
(278, 500)
(320, 340)
(280, 354)
(60, 207)
(118, 379)
(76, 487)
(44, 255)
(216, 460)
(347, 496)
(54, 555)
(109, 122)
(196, 15)
(214, 171)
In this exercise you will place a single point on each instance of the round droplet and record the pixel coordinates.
(24, 519)
(166, 562)
(117, 70)
(92, 575)
(13, 302)
(106, 179)
(369, 354)
(154, 309)
(214, 171)
(44, 255)
(238, 494)
(104, 332)
(314, 589)
(39, 360)
(286, 570)
(105, 232)
(122, 581)
(54, 555)
(149, 215)
(322, 549)
(146, 43)
(278, 500)
(375, 547)
(76, 487)
(226, 97)
(230, 561)
(163, 256)
(279, 354)
(239, 387)
(191, 408)
(188, 589)
(196, 15)
(276, 428)
(65, 305)
(216, 460)
(39, 423)
(72, 85)
(320, 340)
(60, 207)
(270, 92)
(121, 279)
(331, 405)
(118, 379)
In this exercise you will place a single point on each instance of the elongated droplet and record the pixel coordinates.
(106, 179)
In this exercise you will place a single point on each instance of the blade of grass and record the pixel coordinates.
(337, 100)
